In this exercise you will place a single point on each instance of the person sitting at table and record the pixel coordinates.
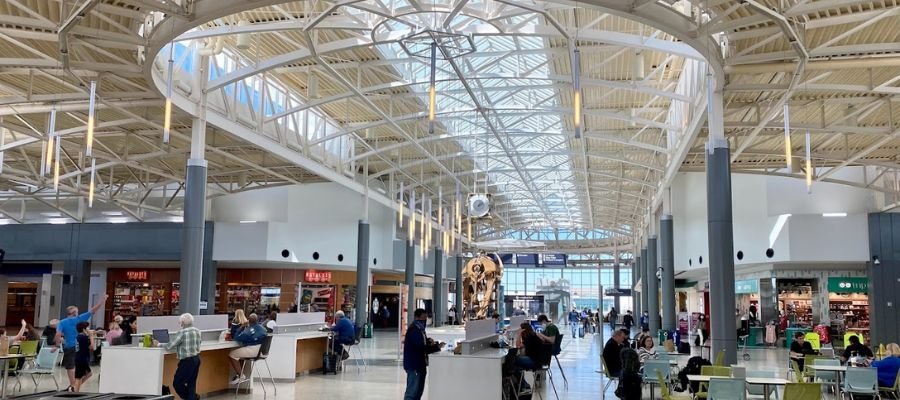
(533, 346)
(888, 366)
(238, 323)
(114, 334)
(249, 338)
(645, 349)
(551, 334)
(857, 349)
(270, 323)
(344, 334)
(800, 348)
(612, 353)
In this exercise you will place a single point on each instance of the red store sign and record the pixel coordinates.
(313, 276)
(137, 275)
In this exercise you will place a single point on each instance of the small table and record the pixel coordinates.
(765, 382)
(4, 360)
(837, 369)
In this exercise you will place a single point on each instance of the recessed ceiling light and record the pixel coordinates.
(248, 222)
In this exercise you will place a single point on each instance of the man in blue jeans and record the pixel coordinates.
(574, 317)
(416, 348)
(67, 336)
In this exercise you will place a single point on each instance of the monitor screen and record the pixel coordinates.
(161, 335)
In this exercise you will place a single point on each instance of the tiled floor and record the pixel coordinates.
(384, 378)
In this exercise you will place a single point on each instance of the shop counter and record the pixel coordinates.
(144, 370)
(296, 353)
(473, 376)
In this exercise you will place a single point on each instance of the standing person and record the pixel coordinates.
(186, 344)
(49, 333)
(85, 340)
(250, 339)
(613, 318)
(612, 353)
(628, 320)
(586, 320)
(416, 348)
(385, 316)
(67, 337)
(573, 322)
(451, 314)
(645, 321)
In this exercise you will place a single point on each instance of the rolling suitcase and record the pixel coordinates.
(330, 359)
(581, 331)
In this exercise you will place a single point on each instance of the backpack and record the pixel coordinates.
(692, 368)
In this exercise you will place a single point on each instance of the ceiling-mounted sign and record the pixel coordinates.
(507, 259)
(848, 285)
(553, 259)
(527, 259)
(746, 287)
(313, 276)
(137, 275)
(617, 292)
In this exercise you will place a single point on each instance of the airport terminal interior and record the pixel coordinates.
(449, 199)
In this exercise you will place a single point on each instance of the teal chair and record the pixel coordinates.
(653, 369)
(44, 365)
(726, 389)
(803, 391)
(827, 377)
(759, 390)
(861, 381)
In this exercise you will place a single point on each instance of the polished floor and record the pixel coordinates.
(384, 379)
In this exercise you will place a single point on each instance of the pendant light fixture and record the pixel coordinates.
(91, 187)
(787, 135)
(89, 138)
(432, 92)
(400, 207)
(167, 118)
(576, 87)
(808, 165)
(412, 216)
(51, 147)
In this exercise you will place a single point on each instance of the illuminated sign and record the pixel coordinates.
(137, 275)
(313, 276)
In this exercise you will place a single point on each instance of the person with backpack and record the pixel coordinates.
(693, 367)
(573, 321)
(613, 317)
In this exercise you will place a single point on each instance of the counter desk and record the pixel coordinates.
(144, 370)
(473, 376)
(296, 353)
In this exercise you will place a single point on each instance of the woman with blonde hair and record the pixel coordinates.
(888, 366)
(114, 334)
(238, 323)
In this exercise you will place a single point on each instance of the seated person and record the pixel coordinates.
(551, 335)
(639, 337)
(498, 324)
(270, 323)
(114, 335)
(645, 349)
(250, 339)
(800, 348)
(344, 334)
(534, 353)
(888, 366)
(612, 353)
(857, 349)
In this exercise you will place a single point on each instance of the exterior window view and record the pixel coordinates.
(449, 199)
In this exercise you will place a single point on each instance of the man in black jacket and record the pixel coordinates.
(612, 351)
(416, 348)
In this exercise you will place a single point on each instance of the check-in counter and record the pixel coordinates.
(297, 353)
(144, 370)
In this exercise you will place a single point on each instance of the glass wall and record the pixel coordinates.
(578, 286)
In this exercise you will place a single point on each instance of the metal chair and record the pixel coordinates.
(652, 368)
(894, 391)
(727, 389)
(664, 389)
(44, 365)
(826, 377)
(263, 356)
(609, 378)
(712, 370)
(861, 380)
(355, 345)
(557, 348)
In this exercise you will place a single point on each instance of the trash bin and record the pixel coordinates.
(367, 331)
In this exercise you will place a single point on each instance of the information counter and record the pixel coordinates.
(473, 376)
(144, 370)
(297, 353)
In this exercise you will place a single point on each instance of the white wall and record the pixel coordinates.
(757, 203)
(318, 218)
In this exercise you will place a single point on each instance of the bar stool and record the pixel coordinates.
(263, 356)
(355, 345)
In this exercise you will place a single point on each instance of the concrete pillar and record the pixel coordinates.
(210, 268)
(192, 236)
(362, 273)
(439, 303)
(459, 287)
(4, 291)
(652, 284)
(645, 286)
(636, 276)
(667, 262)
(720, 233)
(617, 299)
(410, 280)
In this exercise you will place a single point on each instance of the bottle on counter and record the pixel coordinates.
(148, 341)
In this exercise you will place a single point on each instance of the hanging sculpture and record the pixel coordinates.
(481, 279)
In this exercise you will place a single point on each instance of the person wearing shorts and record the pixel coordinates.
(83, 355)
(250, 339)
(67, 337)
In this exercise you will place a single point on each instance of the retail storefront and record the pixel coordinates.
(848, 305)
(795, 299)
(142, 291)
